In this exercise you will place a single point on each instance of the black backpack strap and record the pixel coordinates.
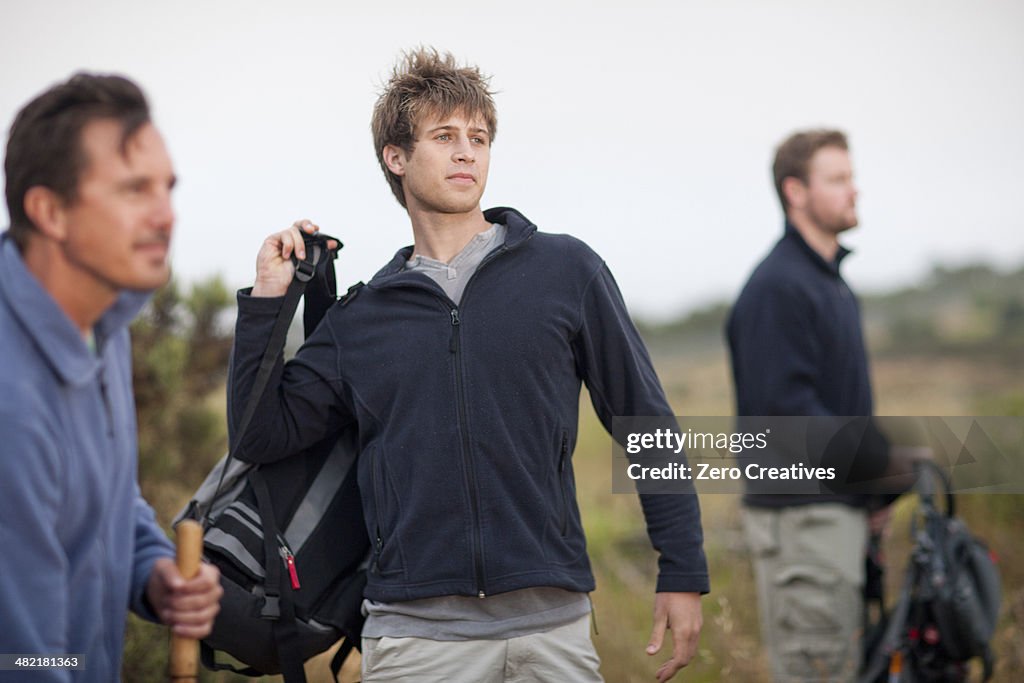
(341, 655)
(988, 661)
(318, 262)
(275, 345)
(279, 606)
(877, 661)
(208, 656)
(322, 291)
(928, 473)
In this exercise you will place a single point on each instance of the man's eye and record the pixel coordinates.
(443, 137)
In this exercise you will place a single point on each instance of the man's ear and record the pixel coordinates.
(795, 192)
(47, 211)
(395, 159)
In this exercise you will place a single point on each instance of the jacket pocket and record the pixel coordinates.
(563, 485)
(816, 623)
(386, 556)
(564, 544)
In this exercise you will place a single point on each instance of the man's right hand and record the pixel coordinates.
(274, 268)
(901, 475)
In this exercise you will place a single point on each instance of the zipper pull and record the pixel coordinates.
(289, 561)
(453, 344)
(377, 547)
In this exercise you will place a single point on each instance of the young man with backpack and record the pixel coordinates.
(89, 195)
(461, 363)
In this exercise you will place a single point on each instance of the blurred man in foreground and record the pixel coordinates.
(88, 185)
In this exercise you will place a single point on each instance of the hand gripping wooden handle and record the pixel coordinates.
(184, 665)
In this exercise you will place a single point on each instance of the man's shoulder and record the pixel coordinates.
(775, 275)
(523, 232)
(28, 388)
(25, 369)
(567, 250)
(777, 283)
(27, 408)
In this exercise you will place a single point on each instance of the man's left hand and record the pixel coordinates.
(681, 613)
(878, 521)
(188, 607)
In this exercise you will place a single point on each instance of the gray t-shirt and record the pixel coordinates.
(456, 617)
(454, 275)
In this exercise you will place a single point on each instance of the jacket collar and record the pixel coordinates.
(832, 268)
(55, 336)
(520, 229)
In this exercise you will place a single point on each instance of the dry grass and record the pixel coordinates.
(624, 564)
(729, 648)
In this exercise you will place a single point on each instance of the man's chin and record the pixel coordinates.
(456, 208)
(149, 281)
(845, 225)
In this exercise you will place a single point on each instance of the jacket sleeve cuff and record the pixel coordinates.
(151, 543)
(140, 604)
(683, 583)
(258, 305)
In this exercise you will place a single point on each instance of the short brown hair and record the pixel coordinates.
(44, 146)
(427, 82)
(793, 156)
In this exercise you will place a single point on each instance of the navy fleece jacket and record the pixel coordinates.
(797, 349)
(467, 416)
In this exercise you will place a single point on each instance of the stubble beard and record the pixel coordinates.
(840, 223)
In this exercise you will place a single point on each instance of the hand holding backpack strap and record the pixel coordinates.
(305, 269)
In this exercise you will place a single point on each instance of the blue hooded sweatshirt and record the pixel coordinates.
(78, 540)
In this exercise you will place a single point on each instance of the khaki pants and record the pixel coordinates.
(563, 655)
(809, 569)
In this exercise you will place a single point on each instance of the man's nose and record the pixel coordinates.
(463, 151)
(163, 212)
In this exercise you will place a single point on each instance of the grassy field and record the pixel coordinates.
(729, 649)
(925, 363)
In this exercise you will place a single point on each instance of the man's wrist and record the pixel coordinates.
(265, 290)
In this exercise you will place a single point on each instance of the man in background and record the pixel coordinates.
(797, 350)
(88, 185)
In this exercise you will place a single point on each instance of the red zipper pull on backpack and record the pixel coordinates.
(293, 573)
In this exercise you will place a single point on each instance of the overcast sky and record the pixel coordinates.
(645, 128)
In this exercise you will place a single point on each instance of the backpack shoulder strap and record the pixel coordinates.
(317, 255)
(322, 291)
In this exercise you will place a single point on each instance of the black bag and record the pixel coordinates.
(288, 537)
(949, 605)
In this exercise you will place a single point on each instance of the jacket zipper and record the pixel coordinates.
(564, 455)
(460, 399)
(474, 502)
(454, 348)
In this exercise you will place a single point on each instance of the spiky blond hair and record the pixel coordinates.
(423, 82)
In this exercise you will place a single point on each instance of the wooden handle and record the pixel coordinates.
(184, 665)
